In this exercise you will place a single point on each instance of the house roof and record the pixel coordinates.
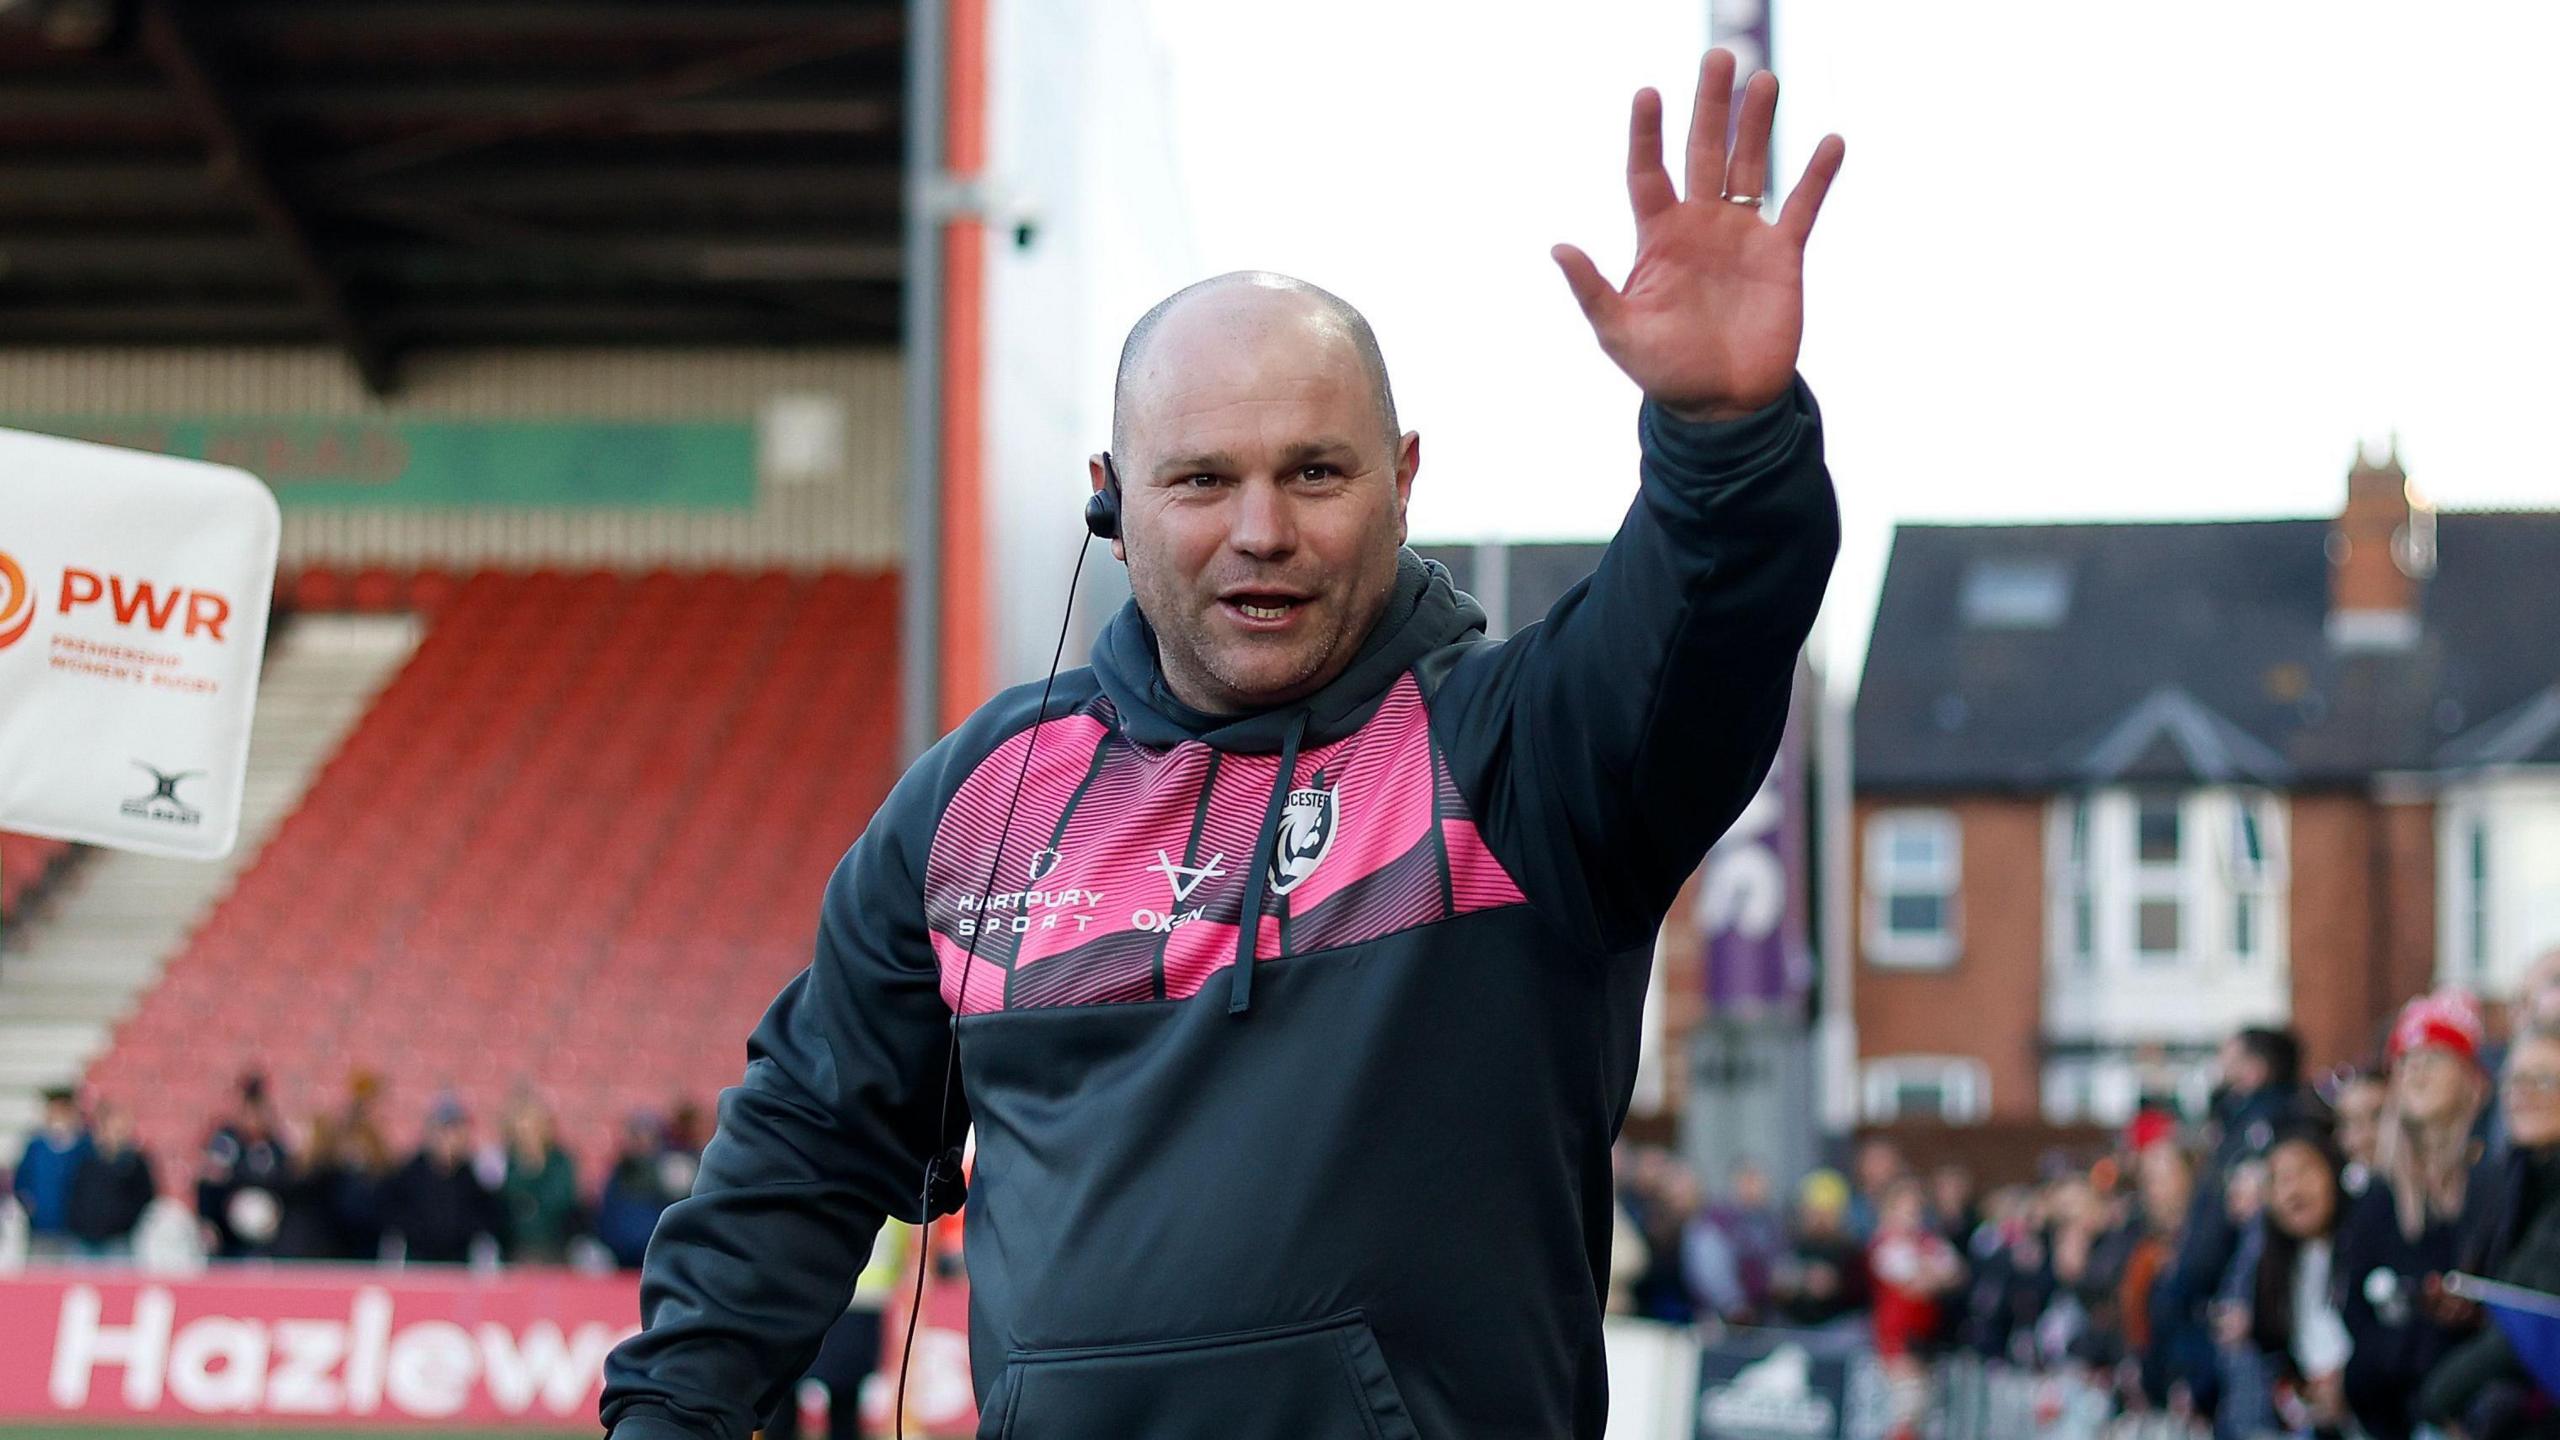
(2044, 656)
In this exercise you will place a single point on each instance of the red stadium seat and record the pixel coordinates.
(553, 841)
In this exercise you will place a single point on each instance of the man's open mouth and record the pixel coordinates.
(1262, 607)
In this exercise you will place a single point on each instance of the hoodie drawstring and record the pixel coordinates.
(1258, 878)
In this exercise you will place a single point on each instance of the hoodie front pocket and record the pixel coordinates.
(1312, 1380)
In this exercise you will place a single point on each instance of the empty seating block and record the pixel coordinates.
(576, 845)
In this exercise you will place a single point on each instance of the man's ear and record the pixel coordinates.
(1093, 469)
(1408, 465)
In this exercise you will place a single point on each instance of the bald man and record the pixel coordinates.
(1296, 948)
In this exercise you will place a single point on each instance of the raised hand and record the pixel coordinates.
(1712, 314)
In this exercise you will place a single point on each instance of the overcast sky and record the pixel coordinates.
(2158, 261)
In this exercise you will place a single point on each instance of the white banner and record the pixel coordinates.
(133, 617)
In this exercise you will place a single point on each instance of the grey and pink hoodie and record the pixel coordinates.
(1295, 1042)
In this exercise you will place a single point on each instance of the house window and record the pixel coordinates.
(1914, 864)
(2159, 881)
(2074, 916)
(2253, 876)
(1953, 1088)
(2015, 595)
(2476, 910)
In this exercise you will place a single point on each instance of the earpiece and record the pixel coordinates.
(1102, 508)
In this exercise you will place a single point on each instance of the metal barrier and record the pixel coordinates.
(1830, 1385)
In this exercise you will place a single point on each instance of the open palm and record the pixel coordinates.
(1712, 313)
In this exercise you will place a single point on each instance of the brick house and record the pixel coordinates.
(2121, 788)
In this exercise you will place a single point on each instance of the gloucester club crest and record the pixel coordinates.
(1307, 825)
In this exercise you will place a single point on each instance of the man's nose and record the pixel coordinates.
(1266, 523)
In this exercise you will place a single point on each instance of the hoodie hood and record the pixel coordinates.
(1424, 613)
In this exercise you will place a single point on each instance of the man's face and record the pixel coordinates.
(2241, 1068)
(1262, 502)
(2532, 1092)
(1878, 1164)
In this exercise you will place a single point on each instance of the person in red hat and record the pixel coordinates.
(2400, 1235)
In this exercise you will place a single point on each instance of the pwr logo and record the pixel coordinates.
(140, 602)
(17, 601)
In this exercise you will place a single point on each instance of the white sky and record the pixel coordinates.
(2084, 260)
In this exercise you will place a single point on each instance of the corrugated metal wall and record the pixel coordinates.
(848, 518)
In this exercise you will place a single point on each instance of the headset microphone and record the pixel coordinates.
(946, 1187)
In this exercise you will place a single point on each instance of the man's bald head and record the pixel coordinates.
(1264, 485)
(1242, 290)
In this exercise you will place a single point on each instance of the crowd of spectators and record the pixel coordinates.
(333, 1189)
(2276, 1266)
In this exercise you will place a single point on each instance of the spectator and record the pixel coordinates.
(541, 1188)
(2356, 1100)
(2171, 1346)
(1823, 1278)
(2399, 1237)
(42, 1181)
(1879, 1163)
(1952, 1211)
(2006, 1258)
(1757, 1235)
(330, 1211)
(1664, 1291)
(2536, 1006)
(2078, 1322)
(1911, 1267)
(1628, 1259)
(238, 1180)
(640, 1188)
(364, 1165)
(2286, 1318)
(436, 1204)
(111, 1188)
(2260, 1073)
(2511, 1233)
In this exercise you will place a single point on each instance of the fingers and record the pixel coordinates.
(1648, 184)
(1806, 202)
(1709, 119)
(1747, 173)
(1598, 299)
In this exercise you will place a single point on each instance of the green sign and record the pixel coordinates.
(451, 464)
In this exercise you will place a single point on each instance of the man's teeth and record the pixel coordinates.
(1262, 612)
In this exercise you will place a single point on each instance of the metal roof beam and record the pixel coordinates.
(720, 72)
(173, 35)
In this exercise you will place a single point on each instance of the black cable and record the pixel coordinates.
(951, 1058)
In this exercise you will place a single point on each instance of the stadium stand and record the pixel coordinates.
(575, 845)
(25, 862)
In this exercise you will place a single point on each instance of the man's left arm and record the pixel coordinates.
(1606, 747)
(1604, 750)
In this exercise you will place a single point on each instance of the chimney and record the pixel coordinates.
(2381, 548)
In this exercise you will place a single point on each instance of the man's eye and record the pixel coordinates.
(1200, 482)
(1317, 472)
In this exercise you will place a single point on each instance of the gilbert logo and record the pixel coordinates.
(162, 803)
(17, 601)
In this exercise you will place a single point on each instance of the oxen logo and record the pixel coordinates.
(1307, 825)
(163, 802)
(1186, 878)
(17, 602)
